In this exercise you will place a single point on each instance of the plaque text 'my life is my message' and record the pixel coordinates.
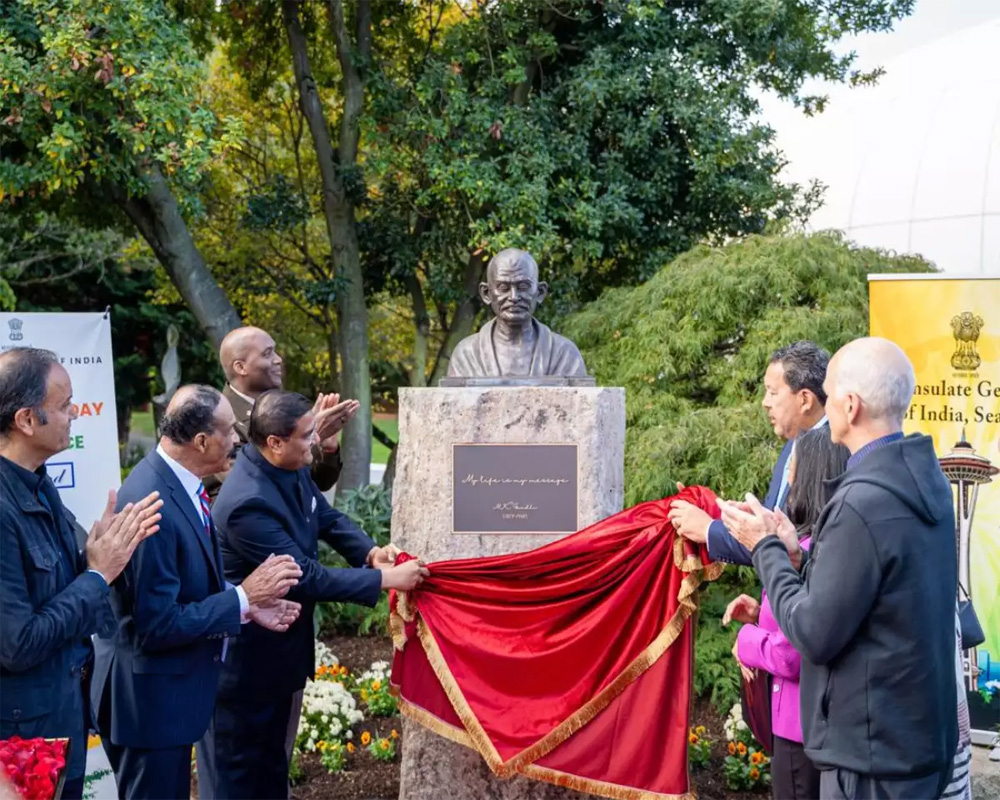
(514, 488)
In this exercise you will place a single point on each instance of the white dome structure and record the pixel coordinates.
(913, 163)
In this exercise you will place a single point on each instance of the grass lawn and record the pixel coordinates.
(142, 423)
(390, 427)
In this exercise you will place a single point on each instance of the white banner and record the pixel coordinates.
(91, 465)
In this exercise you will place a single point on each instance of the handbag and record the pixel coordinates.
(755, 699)
(972, 631)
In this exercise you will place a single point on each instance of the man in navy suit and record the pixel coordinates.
(270, 504)
(155, 681)
(52, 597)
(794, 400)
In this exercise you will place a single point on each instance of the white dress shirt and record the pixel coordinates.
(192, 483)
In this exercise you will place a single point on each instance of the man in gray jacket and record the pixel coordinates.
(872, 608)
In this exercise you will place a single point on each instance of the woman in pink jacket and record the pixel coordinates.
(761, 644)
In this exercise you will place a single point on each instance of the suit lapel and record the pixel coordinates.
(241, 410)
(180, 498)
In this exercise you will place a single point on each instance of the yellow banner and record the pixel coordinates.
(950, 329)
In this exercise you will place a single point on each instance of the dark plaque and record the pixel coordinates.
(514, 488)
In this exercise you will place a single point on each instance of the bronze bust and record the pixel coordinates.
(514, 344)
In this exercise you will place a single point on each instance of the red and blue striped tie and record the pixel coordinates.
(206, 510)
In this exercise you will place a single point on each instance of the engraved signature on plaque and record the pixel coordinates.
(514, 488)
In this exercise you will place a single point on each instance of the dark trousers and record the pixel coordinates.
(145, 774)
(793, 776)
(843, 784)
(72, 789)
(243, 755)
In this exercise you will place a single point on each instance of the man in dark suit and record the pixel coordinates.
(793, 399)
(52, 597)
(155, 681)
(267, 505)
(252, 366)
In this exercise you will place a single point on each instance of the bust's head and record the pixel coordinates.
(512, 288)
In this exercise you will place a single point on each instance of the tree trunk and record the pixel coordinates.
(333, 349)
(158, 218)
(465, 314)
(338, 211)
(422, 332)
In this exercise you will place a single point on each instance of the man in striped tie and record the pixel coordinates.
(155, 682)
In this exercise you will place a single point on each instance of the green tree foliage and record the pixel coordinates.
(605, 137)
(74, 268)
(99, 113)
(690, 346)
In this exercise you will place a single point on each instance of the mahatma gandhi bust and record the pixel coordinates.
(514, 343)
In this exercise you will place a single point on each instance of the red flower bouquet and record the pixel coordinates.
(36, 767)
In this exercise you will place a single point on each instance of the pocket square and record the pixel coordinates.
(313, 505)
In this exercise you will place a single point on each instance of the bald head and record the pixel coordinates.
(869, 385)
(510, 260)
(250, 361)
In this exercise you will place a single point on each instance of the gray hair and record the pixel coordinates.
(191, 413)
(879, 372)
(805, 366)
(24, 381)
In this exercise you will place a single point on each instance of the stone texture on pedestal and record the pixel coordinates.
(430, 422)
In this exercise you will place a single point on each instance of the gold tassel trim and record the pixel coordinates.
(533, 771)
(435, 725)
(600, 788)
(465, 713)
(475, 737)
(655, 650)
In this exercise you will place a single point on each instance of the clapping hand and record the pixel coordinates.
(277, 617)
(749, 522)
(114, 537)
(743, 609)
(271, 580)
(331, 416)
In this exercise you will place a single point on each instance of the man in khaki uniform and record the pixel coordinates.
(252, 366)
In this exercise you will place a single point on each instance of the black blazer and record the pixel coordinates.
(262, 509)
(49, 607)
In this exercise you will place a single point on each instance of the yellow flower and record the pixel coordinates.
(700, 730)
(693, 737)
(384, 744)
(364, 694)
(732, 749)
(343, 670)
(756, 758)
(376, 685)
(350, 747)
(366, 738)
(394, 734)
(741, 749)
(321, 745)
(754, 773)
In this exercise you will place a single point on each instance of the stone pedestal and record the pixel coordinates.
(431, 423)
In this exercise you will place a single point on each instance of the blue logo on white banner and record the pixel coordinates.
(91, 465)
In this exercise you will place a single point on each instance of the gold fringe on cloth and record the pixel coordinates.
(474, 736)
(601, 788)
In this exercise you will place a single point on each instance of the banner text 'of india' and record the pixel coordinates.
(84, 472)
(950, 329)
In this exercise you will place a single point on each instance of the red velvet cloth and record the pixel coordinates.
(570, 663)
